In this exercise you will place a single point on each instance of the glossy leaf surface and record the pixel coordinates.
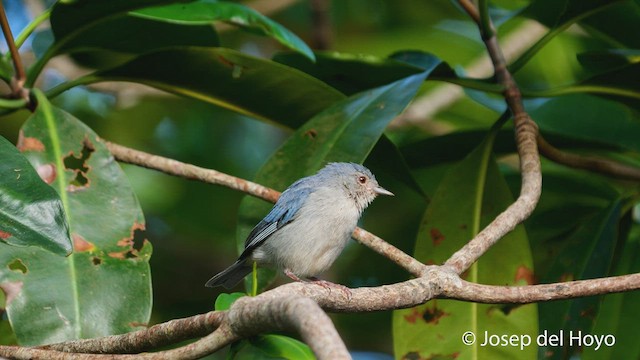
(252, 86)
(104, 287)
(31, 212)
(207, 11)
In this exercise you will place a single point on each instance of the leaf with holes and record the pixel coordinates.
(30, 211)
(104, 287)
(346, 131)
(468, 198)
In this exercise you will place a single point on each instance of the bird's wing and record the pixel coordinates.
(282, 213)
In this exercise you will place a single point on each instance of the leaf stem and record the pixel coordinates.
(83, 80)
(27, 31)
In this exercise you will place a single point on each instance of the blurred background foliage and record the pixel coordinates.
(192, 225)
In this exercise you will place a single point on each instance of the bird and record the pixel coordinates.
(309, 225)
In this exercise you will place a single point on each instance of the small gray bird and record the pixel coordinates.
(309, 225)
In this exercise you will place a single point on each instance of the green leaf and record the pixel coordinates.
(617, 25)
(104, 287)
(471, 194)
(557, 15)
(70, 19)
(587, 252)
(618, 316)
(282, 347)
(31, 212)
(224, 300)
(347, 131)
(347, 72)
(581, 117)
(115, 41)
(206, 11)
(599, 62)
(252, 86)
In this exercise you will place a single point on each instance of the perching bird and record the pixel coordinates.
(309, 225)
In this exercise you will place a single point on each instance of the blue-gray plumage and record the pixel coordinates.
(309, 225)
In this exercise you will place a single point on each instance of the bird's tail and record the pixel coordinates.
(230, 276)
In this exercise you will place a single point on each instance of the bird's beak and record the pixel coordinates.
(382, 191)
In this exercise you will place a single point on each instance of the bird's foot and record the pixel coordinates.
(324, 283)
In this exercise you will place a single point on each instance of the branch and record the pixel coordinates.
(467, 291)
(188, 171)
(526, 132)
(156, 336)
(595, 164)
(17, 84)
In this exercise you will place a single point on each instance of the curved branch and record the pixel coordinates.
(156, 336)
(595, 164)
(188, 171)
(526, 132)
(253, 315)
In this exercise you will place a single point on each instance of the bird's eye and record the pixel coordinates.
(362, 179)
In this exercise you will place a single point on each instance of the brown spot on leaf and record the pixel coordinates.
(117, 254)
(18, 266)
(134, 242)
(589, 313)
(311, 133)
(436, 236)
(29, 143)
(431, 314)
(566, 277)
(506, 309)
(11, 290)
(80, 244)
(524, 273)
(96, 260)
(415, 355)
(47, 173)
(412, 355)
(413, 317)
(78, 164)
(4, 235)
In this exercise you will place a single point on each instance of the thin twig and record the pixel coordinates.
(17, 84)
(188, 171)
(591, 163)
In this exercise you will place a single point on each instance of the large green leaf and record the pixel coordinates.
(586, 253)
(617, 25)
(259, 88)
(469, 197)
(347, 131)
(347, 72)
(115, 41)
(557, 15)
(574, 233)
(589, 118)
(618, 316)
(30, 211)
(104, 287)
(203, 12)
(70, 19)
